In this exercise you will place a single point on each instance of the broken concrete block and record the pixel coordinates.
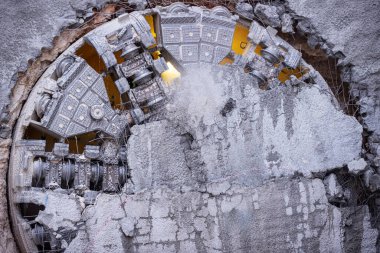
(268, 15)
(61, 211)
(244, 9)
(148, 169)
(286, 23)
(357, 166)
(334, 190)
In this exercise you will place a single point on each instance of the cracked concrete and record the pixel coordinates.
(61, 211)
(205, 222)
(177, 212)
(348, 35)
(269, 133)
(232, 159)
(155, 157)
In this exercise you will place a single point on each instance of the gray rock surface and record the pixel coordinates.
(357, 166)
(269, 133)
(222, 215)
(291, 215)
(27, 27)
(349, 30)
(245, 9)
(155, 157)
(268, 14)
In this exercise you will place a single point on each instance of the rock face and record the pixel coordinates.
(156, 158)
(290, 215)
(268, 14)
(349, 39)
(36, 24)
(357, 166)
(244, 9)
(217, 173)
(267, 133)
(189, 195)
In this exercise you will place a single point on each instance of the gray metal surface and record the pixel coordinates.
(81, 106)
(73, 171)
(193, 34)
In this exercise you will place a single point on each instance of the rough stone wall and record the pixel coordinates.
(28, 45)
(278, 132)
(187, 195)
(351, 35)
(204, 181)
(338, 26)
(293, 215)
(346, 32)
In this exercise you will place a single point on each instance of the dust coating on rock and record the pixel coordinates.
(272, 157)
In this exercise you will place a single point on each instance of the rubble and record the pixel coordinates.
(286, 23)
(357, 166)
(268, 15)
(61, 211)
(244, 9)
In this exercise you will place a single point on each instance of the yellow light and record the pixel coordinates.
(171, 74)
